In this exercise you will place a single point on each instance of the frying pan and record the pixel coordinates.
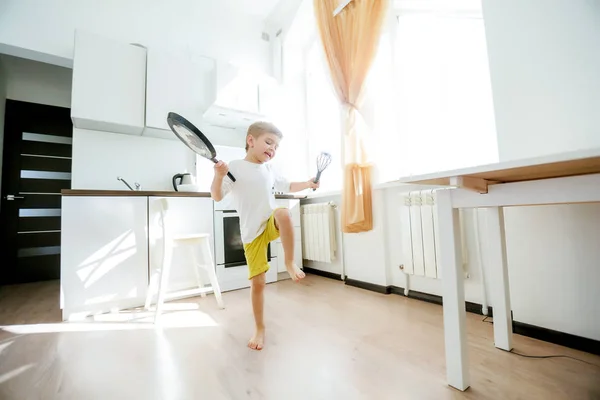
(193, 138)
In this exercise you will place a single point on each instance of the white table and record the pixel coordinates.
(565, 178)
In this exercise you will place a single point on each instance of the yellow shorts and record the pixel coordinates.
(256, 251)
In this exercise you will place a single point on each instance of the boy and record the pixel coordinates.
(260, 220)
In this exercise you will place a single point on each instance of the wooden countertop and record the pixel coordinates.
(572, 163)
(157, 193)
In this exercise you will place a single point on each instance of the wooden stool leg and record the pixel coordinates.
(164, 279)
(212, 275)
(196, 266)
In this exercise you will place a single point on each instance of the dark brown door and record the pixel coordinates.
(36, 166)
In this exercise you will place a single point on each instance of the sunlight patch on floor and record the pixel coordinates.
(15, 372)
(5, 345)
(175, 315)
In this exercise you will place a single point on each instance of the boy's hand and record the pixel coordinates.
(221, 169)
(312, 184)
(298, 186)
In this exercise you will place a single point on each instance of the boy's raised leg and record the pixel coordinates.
(258, 300)
(283, 222)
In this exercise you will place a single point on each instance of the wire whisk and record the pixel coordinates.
(323, 161)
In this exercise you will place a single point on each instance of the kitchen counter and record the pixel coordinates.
(157, 193)
(112, 243)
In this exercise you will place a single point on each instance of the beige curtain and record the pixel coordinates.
(350, 42)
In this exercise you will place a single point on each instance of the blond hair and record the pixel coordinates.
(260, 127)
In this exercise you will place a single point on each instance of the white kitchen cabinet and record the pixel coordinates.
(178, 81)
(237, 278)
(271, 275)
(112, 244)
(109, 84)
(104, 254)
(187, 215)
(278, 247)
(294, 206)
(298, 253)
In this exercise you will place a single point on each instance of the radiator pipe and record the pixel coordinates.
(407, 276)
(343, 266)
(484, 304)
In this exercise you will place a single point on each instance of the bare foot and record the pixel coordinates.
(258, 340)
(295, 273)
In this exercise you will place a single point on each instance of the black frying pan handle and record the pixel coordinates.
(228, 173)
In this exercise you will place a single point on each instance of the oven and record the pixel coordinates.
(232, 270)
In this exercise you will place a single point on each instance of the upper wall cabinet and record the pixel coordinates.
(109, 85)
(178, 81)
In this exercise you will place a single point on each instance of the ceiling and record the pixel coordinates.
(276, 14)
(256, 8)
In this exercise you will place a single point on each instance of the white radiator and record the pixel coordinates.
(318, 232)
(420, 235)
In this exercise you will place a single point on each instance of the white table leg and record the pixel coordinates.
(498, 270)
(455, 334)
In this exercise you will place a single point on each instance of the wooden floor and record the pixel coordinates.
(325, 340)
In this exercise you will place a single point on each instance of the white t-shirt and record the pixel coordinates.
(252, 194)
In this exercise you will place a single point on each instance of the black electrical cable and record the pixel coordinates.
(544, 357)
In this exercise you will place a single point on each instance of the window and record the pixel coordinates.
(380, 112)
(283, 104)
(443, 98)
(428, 97)
(323, 119)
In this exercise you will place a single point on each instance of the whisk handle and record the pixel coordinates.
(318, 176)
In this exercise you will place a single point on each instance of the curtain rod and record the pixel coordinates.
(341, 6)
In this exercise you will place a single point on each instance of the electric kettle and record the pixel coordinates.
(186, 180)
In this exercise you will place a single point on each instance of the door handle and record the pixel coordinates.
(13, 197)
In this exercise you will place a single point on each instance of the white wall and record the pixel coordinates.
(33, 82)
(204, 26)
(375, 256)
(544, 63)
(544, 60)
(37, 82)
(395, 251)
(554, 267)
(99, 157)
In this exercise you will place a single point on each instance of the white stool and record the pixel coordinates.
(193, 242)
